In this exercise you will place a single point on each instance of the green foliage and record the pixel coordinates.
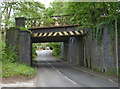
(55, 9)
(23, 28)
(96, 70)
(34, 54)
(111, 72)
(43, 45)
(93, 15)
(56, 49)
(96, 33)
(10, 10)
(58, 56)
(10, 66)
(48, 21)
(29, 9)
(9, 55)
(119, 72)
(10, 69)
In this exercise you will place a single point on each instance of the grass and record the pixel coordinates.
(10, 66)
(110, 72)
(96, 70)
(11, 69)
(119, 75)
(58, 56)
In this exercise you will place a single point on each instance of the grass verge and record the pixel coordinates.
(58, 56)
(11, 69)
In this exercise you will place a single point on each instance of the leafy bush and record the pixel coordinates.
(34, 54)
(10, 66)
(56, 49)
(9, 55)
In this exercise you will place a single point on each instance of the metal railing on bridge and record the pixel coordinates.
(52, 21)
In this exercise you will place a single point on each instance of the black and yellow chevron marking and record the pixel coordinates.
(64, 33)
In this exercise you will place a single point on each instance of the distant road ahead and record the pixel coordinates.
(55, 74)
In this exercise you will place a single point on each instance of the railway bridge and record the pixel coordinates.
(37, 32)
(77, 46)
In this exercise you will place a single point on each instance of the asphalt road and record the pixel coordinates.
(52, 73)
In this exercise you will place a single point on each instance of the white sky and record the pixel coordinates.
(45, 2)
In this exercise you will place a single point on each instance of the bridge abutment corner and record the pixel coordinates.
(21, 41)
(64, 50)
(73, 50)
(25, 47)
(118, 34)
(76, 50)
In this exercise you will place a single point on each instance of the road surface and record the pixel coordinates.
(52, 73)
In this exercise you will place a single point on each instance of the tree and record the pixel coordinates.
(10, 10)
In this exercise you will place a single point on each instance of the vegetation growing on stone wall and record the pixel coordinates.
(119, 72)
(34, 54)
(93, 15)
(10, 65)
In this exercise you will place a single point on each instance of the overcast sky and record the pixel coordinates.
(45, 2)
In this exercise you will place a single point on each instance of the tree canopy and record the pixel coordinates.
(11, 10)
(88, 14)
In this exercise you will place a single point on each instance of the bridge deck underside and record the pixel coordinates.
(55, 34)
(51, 39)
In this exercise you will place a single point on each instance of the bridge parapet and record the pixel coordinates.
(52, 21)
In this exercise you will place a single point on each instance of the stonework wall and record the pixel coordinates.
(85, 52)
(12, 38)
(25, 47)
(76, 50)
(21, 40)
(119, 48)
(100, 57)
(119, 55)
(73, 50)
(64, 51)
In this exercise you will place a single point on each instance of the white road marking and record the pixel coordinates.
(62, 74)
(71, 80)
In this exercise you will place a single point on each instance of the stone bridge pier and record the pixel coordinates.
(21, 41)
(73, 50)
(86, 52)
